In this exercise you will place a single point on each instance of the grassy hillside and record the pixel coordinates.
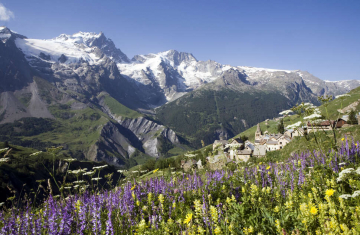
(202, 115)
(300, 144)
(120, 109)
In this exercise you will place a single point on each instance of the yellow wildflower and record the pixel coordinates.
(342, 139)
(217, 230)
(267, 168)
(329, 192)
(228, 200)
(77, 206)
(188, 218)
(276, 209)
(174, 204)
(214, 214)
(161, 198)
(201, 230)
(313, 210)
(137, 203)
(155, 170)
(133, 187)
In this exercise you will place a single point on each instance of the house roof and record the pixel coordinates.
(324, 123)
(243, 152)
(260, 150)
(272, 142)
(250, 145)
(345, 118)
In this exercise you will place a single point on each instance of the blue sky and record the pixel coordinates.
(319, 36)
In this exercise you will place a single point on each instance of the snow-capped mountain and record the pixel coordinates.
(69, 49)
(175, 73)
(155, 78)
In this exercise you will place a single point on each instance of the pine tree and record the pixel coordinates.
(352, 117)
(281, 128)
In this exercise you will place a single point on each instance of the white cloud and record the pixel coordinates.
(5, 14)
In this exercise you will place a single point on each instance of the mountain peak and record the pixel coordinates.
(6, 33)
(91, 39)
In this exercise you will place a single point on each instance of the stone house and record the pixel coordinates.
(273, 145)
(283, 140)
(342, 123)
(220, 143)
(259, 151)
(217, 162)
(323, 126)
(242, 155)
(188, 165)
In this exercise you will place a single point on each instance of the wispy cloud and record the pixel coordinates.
(5, 14)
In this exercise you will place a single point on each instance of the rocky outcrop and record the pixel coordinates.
(112, 147)
(147, 132)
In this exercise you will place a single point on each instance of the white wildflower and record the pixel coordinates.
(3, 150)
(76, 186)
(356, 193)
(343, 174)
(89, 173)
(342, 163)
(2, 203)
(99, 167)
(313, 116)
(233, 146)
(96, 178)
(317, 121)
(297, 124)
(358, 171)
(70, 159)
(343, 95)
(4, 159)
(77, 171)
(79, 182)
(135, 171)
(36, 153)
(121, 171)
(345, 196)
(67, 187)
(190, 155)
(285, 112)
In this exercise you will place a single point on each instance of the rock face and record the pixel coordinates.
(111, 141)
(148, 132)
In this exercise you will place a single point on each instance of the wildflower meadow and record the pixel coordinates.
(311, 193)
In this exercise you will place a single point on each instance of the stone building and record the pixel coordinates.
(188, 165)
(259, 151)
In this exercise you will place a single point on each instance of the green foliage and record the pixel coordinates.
(281, 127)
(27, 127)
(352, 117)
(120, 109)
(200, 114)
(164, 145)
(244, 138)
